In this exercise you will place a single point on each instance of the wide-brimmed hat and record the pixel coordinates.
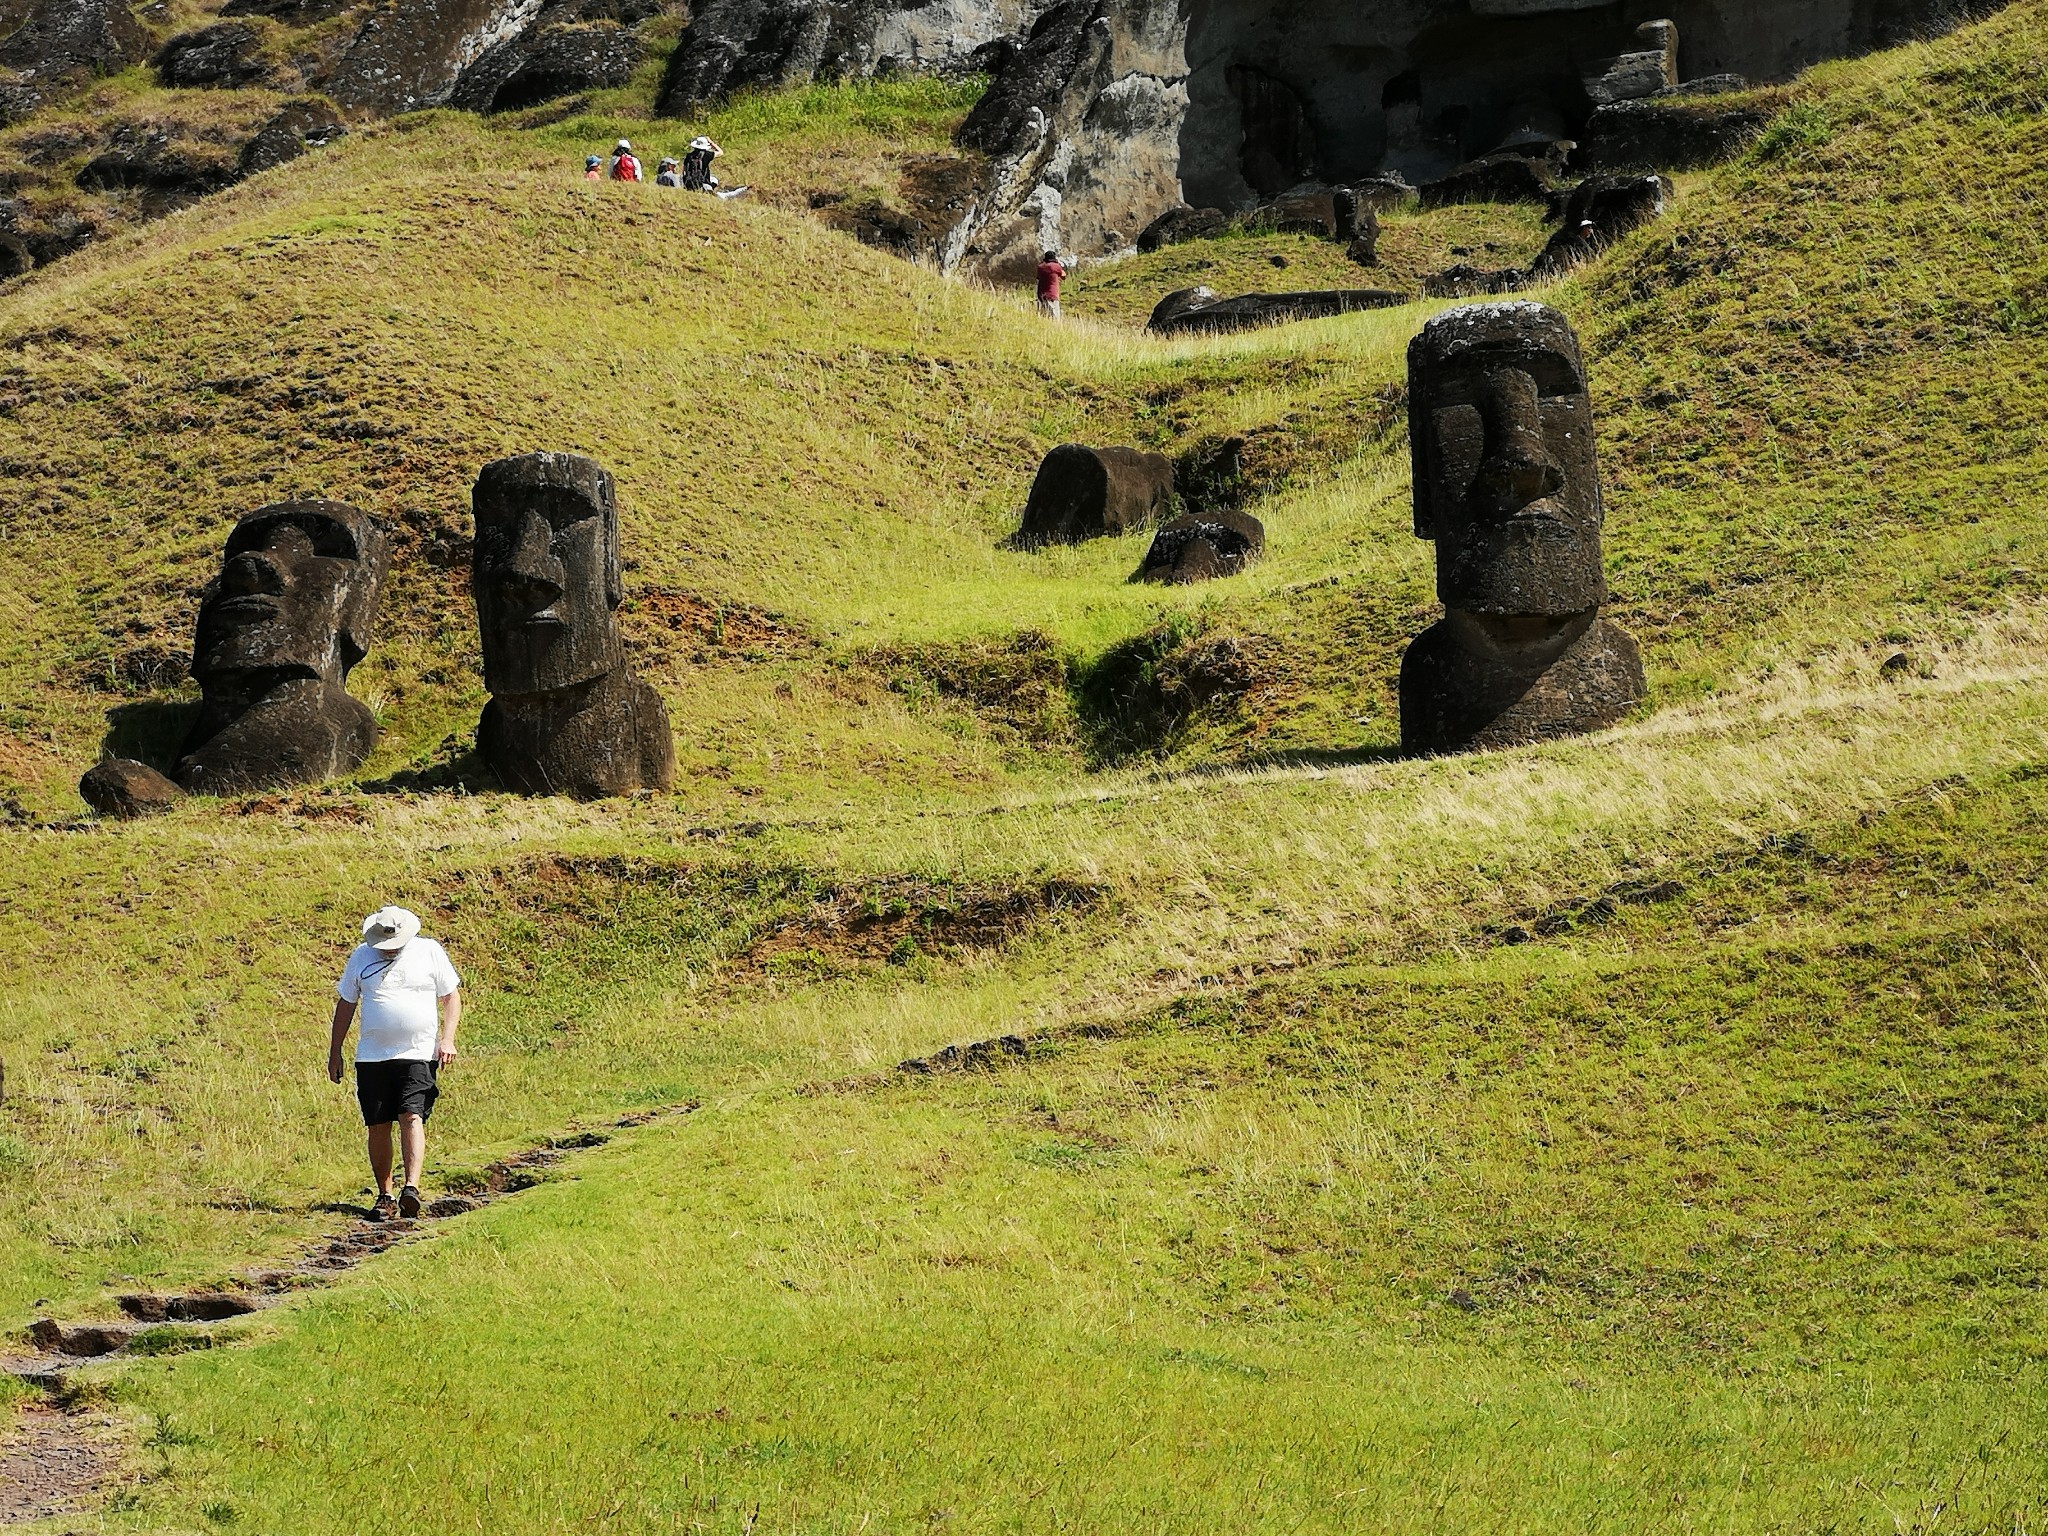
(390, 928)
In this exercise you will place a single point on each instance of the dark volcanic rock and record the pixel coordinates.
(1279, 145)
(228, 53)
(547, 63)
(59, 41)
(1499, 178)
(1507, 486)
(125, 789)
(1650, 67)
(1090, 493)
(408, 56)
(1203, 546)
(1465, 281)
(567, 716)
(734, 44)
(1365, 238)
(297, 127)
(1191, 311)
(1599, 212)
(1177, 225)
(171, 171)
(1664, 135)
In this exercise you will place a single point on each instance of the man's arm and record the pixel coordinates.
(344, 1012)
(451, 1016)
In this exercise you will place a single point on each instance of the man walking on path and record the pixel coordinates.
(1049, 274)
(402, 981)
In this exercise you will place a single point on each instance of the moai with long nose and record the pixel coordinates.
(1508, 487)
(566, 717)
(289, 615)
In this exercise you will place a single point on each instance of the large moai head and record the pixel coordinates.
(546, 572)
(1506, 480)
(296, 597)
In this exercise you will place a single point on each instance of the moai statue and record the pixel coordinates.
(290, 613)
(1507, 485)
(566, 716)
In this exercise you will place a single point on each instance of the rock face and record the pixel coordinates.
(1202, 547)
(297, 127)
(1665, 134)
(547, 62)
(1197, 311)
(1091, 493)
(60, 42)
(410, 55)
(1507, 486)
(1082, 131)
(1599, 212)
(567, 716)
(733, 45)
(292, 611)
(127, 790)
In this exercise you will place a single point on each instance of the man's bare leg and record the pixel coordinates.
(412, 1135)
(380, 1156)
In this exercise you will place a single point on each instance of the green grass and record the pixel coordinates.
(1322, 1203)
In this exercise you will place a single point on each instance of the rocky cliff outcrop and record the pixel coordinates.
(733, 45)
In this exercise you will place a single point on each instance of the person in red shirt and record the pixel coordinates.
(625, 165)
(1049, 274)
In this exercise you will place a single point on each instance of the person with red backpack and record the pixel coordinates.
(625, 166)
(1050, 271)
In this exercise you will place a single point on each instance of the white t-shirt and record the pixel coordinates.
(398, 993)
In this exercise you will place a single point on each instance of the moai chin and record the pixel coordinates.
(566, 717)
(1508, 487)
(290, 613)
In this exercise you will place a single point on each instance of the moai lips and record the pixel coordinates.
(1507, 485)
(566, 716)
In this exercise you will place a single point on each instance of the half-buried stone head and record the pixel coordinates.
(1508, 487)
(292, 610)
(567, 716)
(1506, 480)
(546, 572)
(1085, 493)
(1202, 547)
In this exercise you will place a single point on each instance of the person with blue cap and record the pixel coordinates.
(411, 1001)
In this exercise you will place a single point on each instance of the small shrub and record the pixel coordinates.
(1803, 125)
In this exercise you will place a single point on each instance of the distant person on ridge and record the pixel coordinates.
(593, 168)
(697, 165)
(402, 981)
(665, 174)
(1049, 274)
(625, 166)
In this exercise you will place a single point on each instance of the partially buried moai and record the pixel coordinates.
(290, 613)
(1508, 487)
(566, 717)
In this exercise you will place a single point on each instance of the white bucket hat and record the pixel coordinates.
(390, 928)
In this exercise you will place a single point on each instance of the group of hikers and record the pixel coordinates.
(692, 173)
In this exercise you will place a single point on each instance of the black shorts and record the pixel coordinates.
(388, 1089)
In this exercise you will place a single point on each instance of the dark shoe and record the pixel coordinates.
(384, 1209)
(409, 1202)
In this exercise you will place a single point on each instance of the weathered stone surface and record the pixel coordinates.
(548, 62)
(1465, 281)
(1651, 66)
(228, 53)
(1507, 486)
(1664, 134)
(409, 55)
(126, 790)
(567, 716)
(1177, 225)
(1501, 178)
(298, 126)
(1082, 130)
(292, 611)
(1090, 493)
(169, 172)
(1599, 212)
(1198, 311)
(1203, 546)
(58, 42)
(1364, 246)
(733, 45)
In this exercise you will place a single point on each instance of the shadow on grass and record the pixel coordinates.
(150, 731)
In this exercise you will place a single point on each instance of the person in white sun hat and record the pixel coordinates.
(403, 982)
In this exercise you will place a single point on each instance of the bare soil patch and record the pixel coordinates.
(51, 1465)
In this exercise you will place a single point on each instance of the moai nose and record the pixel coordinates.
(253, 573)
(532, 573)
(1517, 466)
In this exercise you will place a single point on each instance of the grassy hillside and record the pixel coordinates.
(1634, 1133)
